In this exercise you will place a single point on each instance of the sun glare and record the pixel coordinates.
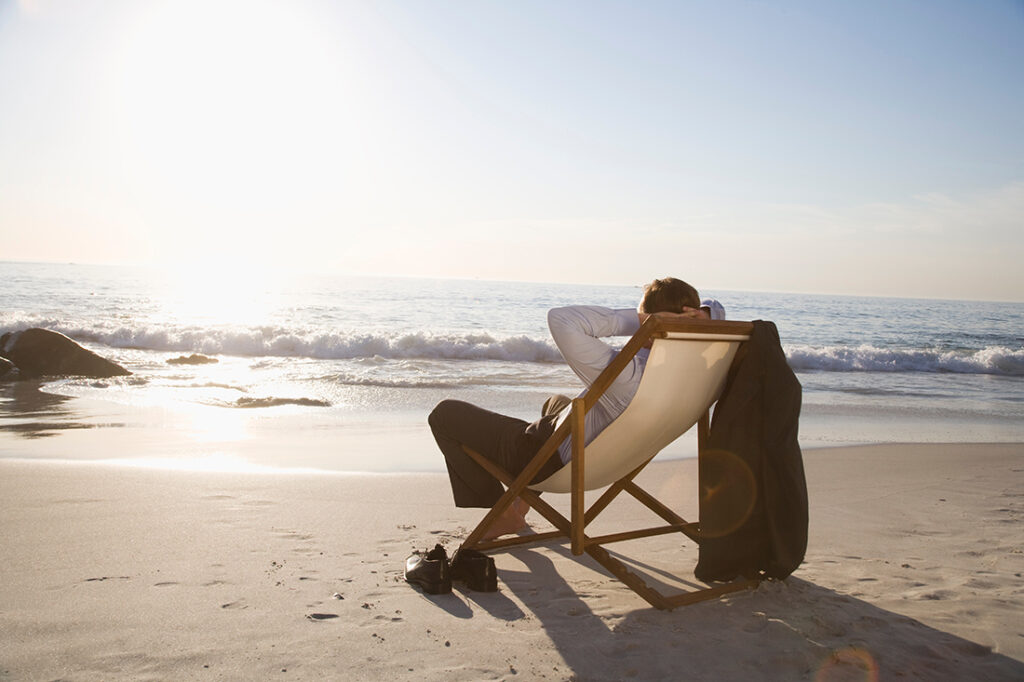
(233, 115)
(222, 293)
(217, 425)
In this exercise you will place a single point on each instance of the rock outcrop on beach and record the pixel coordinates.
(41, 352)
(8, 371)
(194, 359)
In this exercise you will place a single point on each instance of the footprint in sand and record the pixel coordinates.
(293, 535)
(939, 595)
(321, 616)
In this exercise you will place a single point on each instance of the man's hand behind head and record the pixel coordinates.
(687, 314)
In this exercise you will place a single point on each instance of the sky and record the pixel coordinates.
(865, 148)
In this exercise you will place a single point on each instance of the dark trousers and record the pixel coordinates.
(508, 442)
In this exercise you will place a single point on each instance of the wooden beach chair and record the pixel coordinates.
(685, 374)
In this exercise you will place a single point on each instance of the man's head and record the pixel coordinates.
(668, 295)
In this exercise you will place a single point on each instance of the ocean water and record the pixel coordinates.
(311, 357)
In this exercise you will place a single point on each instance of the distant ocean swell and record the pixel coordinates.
(997, 360)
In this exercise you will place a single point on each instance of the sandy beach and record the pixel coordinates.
(913, 571)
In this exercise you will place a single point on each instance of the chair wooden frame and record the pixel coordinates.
(573, 529)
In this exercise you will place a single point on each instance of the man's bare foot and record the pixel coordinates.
(512, 520)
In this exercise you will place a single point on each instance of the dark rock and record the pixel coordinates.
(8, 370)
(41, 352)
(194, 359)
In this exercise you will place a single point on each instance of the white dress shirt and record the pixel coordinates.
(578, 332)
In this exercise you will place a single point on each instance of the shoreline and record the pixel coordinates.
(40, 426)
(913, 569)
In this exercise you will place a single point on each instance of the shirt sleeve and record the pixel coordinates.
(578, 330)
(716, 309)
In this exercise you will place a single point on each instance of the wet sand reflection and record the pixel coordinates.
(28, 411)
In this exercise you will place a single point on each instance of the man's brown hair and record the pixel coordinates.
(668, 295)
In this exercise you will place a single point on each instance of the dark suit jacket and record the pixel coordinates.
(753, 497)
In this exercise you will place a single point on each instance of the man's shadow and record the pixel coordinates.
(767, 633)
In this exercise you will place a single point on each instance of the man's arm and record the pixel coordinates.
(578, 330)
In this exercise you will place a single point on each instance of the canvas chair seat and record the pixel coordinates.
(684, 376)
(686, 371)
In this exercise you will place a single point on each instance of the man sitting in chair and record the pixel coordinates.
(511, 443)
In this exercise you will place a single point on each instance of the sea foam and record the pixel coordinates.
(275, 341)
(997, 360)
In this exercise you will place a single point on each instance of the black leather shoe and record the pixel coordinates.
(430, 571)
(475, 569)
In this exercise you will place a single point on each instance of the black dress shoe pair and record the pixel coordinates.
(434, 574)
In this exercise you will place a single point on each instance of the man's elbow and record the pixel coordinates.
(561, 324)
(557, 317)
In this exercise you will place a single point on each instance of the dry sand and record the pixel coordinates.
(913, 572)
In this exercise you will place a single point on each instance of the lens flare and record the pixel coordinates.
(728, 493)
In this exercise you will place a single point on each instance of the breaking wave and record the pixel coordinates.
(280, 342)
(277, 341)
(997, 360)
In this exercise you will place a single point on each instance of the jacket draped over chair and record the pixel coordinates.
(753, 497)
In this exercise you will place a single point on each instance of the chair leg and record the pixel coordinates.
(653, 596)
(516, 488)
(687, 598)
(577, 504)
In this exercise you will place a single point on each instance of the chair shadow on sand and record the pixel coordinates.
(782, 630)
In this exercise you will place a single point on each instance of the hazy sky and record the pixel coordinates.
(833, 147)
